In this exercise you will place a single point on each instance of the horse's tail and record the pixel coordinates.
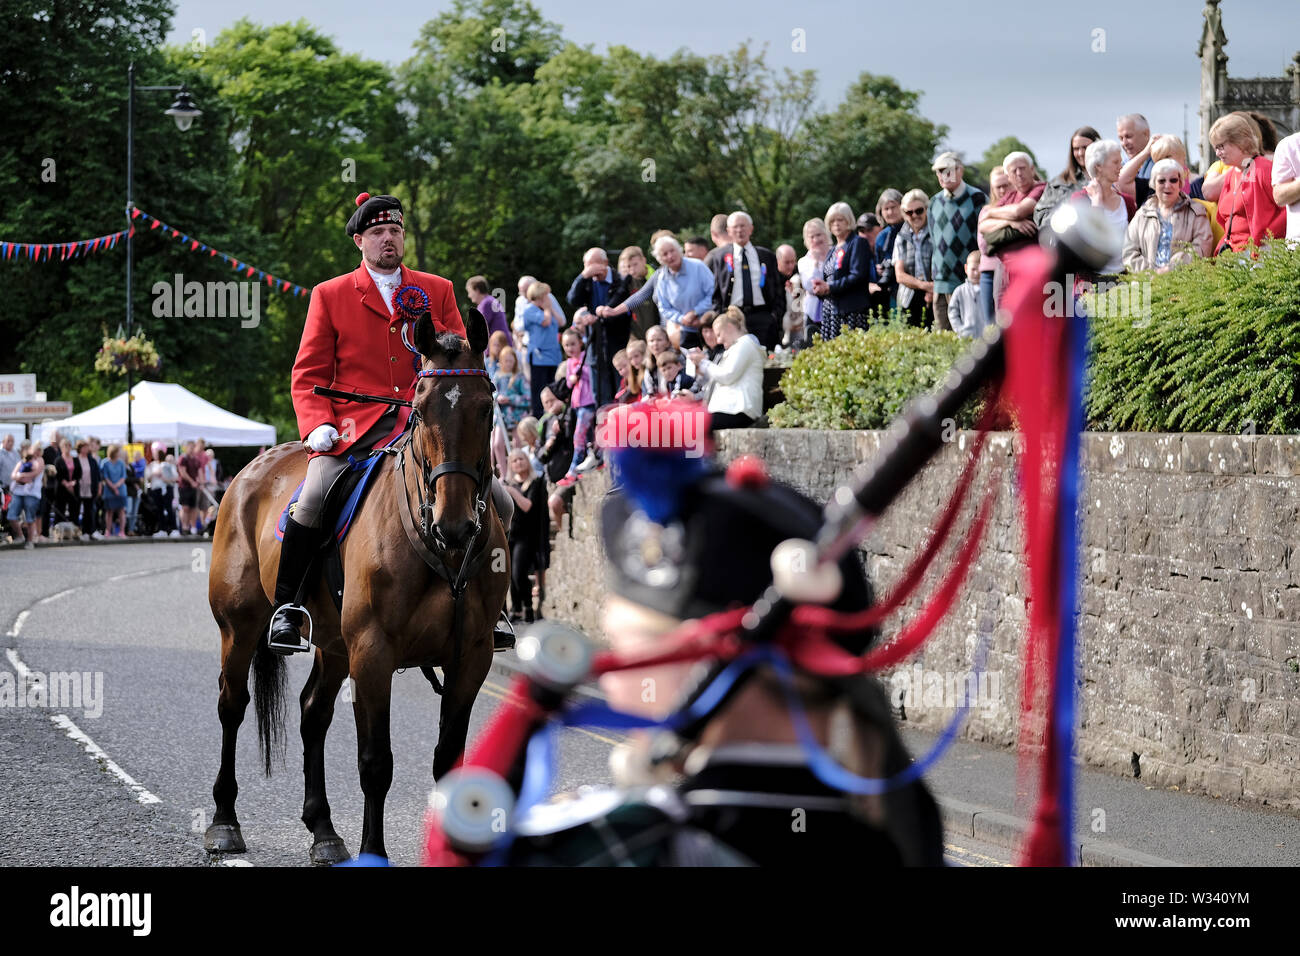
(269, 679)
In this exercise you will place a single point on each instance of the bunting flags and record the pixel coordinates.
(197, 245)
(46, 252)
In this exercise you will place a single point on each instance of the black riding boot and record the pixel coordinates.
(296, 554)
(503, 635)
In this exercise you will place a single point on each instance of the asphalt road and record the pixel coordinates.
(135, 619)
(138, 616)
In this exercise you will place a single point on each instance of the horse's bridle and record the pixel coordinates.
(426, 488)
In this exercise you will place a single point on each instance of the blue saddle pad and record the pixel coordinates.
(368, 467)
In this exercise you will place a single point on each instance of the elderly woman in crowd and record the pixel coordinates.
(1103, 160)
(737, 397)
(1247, 211)
(682, 289)
(990, 267)
(913, 261)
(847, 274)
(817, 240)
(1210, 185)
(1170, 229)
(1071, 179)
(1009, 221)
(889, 210)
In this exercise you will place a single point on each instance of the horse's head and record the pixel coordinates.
(455, 427)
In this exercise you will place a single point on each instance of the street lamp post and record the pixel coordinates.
(183, 111)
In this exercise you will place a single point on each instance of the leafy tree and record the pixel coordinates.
(310, 127)
(63, 92)
(511, 149)
(876, 139)
(475, 169)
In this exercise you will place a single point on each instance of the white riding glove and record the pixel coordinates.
(322, 438)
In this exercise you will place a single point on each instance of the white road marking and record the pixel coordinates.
(139, 574)
(55, 597)
(23, 670)
(235, 863)
(64, 722)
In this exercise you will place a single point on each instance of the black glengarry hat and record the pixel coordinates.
(374, 211)
(713, 551)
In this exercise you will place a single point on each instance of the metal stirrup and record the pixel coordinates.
(304, 644)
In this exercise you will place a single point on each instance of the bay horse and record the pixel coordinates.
(427, 531)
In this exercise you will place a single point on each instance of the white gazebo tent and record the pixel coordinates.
(161, 412)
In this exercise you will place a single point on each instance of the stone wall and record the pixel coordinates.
(1190, 626)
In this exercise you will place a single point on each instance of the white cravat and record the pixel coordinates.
(386, 285)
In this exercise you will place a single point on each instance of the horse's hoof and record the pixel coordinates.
(223, 838)
(328, 851)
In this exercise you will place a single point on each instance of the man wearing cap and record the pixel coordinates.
(868, 228)
(684, 540)
(354, 340)
(954, 217)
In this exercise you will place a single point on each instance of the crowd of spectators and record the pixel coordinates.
(73, 489)
(702, 322)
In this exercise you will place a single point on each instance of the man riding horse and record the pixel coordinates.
(355, 339)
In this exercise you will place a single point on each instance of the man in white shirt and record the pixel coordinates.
(1286, 183)
(747, 276)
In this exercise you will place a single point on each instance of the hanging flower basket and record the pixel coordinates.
(119, 356)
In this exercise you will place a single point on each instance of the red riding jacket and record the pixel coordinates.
(350, 342)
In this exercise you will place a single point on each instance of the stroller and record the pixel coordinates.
(148, 517)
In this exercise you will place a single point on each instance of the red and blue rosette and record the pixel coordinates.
(410, 302)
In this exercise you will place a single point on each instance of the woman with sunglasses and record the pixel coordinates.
(913, 261)
(1170, 229)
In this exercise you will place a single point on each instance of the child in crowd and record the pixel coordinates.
(528, 535)
(636, 353)
(656, 340)
(672, 369)
(542, 327)
(582, 399)
(556, 428)
(528, 440)
(623, 366)
(496, 342)
(712, 347)
(512, 391)
(965, 312)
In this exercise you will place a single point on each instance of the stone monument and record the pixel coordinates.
(1278, 98)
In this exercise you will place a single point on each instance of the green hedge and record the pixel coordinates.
(863, 379)
(1219, 352)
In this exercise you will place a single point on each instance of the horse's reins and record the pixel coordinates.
(430, 476)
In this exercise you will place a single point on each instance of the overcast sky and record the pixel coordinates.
(988, 70)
